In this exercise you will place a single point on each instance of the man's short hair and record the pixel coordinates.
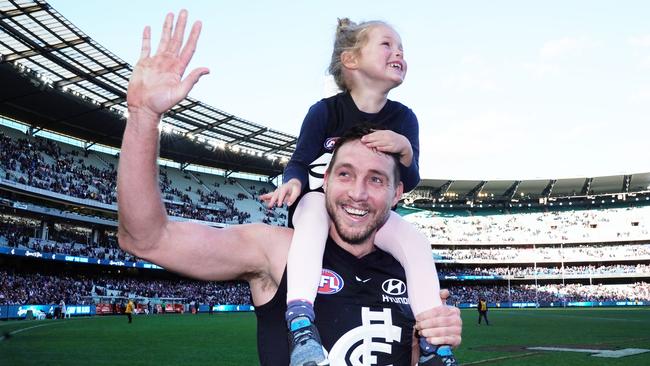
(356, 133)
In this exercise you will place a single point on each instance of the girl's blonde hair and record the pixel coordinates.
(350, 36)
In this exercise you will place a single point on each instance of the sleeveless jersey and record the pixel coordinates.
(362, 312)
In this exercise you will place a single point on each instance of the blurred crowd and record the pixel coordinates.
(530, 271)
(42, 163)
(551, 293)
(36, 288)
(566, 226)
(546, 254)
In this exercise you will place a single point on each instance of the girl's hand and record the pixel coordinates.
(390, 142)
(287, 193)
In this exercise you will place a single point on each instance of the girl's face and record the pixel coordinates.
(381, 58)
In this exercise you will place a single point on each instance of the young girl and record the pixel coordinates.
(367, 63)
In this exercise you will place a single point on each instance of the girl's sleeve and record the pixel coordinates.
(411, 174)
(308, 146)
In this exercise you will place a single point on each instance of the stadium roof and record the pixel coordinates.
(55, 77)
(477, 190)
(61, 65)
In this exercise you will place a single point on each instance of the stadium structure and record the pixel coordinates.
(555, 242)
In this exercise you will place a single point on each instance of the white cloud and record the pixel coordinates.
(557, 48)
(640, 96)
(539, 70)
(553, 51)
(475, 75)
(645, 63)
(639, 41)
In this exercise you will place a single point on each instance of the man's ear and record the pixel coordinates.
(325, 176)
(399, 190)
(349, 60)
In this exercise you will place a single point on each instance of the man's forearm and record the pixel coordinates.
(141, 211)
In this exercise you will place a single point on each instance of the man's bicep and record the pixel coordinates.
(207, 253)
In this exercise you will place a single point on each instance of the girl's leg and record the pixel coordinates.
(304, 268)
(413, 250)
(305, 261)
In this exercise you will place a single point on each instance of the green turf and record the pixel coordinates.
(229, 339)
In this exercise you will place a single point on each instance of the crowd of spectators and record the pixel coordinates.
(24, 233)
(35, 288)
(42, 163)
(555, 293)
(236, 293)
(65, 172)
(566, 226)
(545, 254)
(531, 271)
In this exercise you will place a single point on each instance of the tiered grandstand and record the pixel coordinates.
(523, 244)
(554, 242)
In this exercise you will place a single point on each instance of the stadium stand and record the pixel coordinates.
(534, 241)
(20, 287)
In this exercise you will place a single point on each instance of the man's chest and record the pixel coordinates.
(363, 315)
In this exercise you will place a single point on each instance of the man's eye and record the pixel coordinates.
(377, 180)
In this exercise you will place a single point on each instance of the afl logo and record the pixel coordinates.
(394, 287)
(330, 143)
(330, 282)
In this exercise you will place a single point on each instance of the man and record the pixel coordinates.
(361, 186)
(482, 310)
(64, 309)
(129, 310)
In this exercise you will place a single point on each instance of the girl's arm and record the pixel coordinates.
(411, 174)
(295, 177)
(310, 141)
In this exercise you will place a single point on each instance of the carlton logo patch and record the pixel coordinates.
(330, 143)
(330, 282)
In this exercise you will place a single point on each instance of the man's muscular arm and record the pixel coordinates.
(192, 249)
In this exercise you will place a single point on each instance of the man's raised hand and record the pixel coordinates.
(157, 82)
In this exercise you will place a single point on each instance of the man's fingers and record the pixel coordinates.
(444, 295)
(179, 33)
(188, 83)
(438, 322)
(190, 46)
(281, 196)
(453, 341)
(166, 33)
(146, 43)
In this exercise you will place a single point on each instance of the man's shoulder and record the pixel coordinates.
(273, 244)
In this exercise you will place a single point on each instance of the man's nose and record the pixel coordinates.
(358, 191)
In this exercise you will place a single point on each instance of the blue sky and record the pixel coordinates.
(502, 89)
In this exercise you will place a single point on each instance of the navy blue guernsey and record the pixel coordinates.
(362, 312)
(330, 117)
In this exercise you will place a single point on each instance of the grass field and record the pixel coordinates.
(229, 339)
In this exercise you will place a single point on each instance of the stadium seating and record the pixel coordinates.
(597, 245)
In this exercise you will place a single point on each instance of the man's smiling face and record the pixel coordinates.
(360, 189)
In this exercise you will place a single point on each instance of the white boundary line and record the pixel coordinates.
(2, 338)
(501, 358)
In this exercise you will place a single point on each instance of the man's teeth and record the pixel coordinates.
(355, 211)
(395, 65)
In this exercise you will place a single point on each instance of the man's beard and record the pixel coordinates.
(352, 236)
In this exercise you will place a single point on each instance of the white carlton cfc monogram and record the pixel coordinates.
(376, 325)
